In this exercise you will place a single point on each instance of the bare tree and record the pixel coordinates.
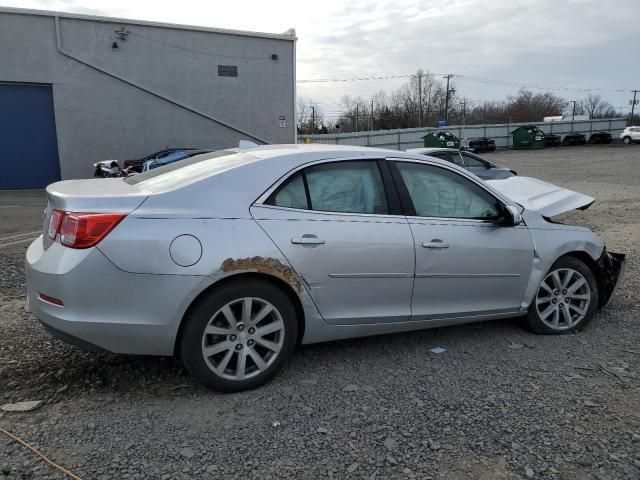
(309, 117)
(422, 96)
(596, 107)
(425, 94)
(530, 107)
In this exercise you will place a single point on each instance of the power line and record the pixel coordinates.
(359, 79)
(536, 85)
(506, 83)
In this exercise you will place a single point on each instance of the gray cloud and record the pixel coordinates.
(576, 43)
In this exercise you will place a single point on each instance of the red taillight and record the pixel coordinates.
(82, 230)
(54, 223)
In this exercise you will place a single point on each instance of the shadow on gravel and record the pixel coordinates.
(58, 368)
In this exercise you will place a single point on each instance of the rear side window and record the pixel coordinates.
(189, 169)
(292, 194)
(346, 187)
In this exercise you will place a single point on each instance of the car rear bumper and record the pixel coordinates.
(105, 308)
(611, 267)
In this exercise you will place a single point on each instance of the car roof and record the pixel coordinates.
(270, 151)
(428, 150)
(294, 155)
(240, 176)
(263, 162)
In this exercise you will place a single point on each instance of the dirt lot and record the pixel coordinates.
(500, 403)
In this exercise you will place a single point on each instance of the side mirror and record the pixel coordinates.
(513, 215)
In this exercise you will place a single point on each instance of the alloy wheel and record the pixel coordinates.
(243, 338)
(563, 299)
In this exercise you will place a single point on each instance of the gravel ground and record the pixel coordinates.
(500, 403)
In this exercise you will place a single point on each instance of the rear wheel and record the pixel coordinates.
(626, 140)
(566, 299)
(239, 336)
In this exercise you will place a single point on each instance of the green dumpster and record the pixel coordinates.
(528, 138)
(441, 139)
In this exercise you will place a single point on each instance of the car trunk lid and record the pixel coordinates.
(100, 195)
(546, 198)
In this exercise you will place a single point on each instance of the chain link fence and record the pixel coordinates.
(403, 139)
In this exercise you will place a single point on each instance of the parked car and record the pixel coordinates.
(137, 165)
(108, 169)
(171, 157)
(238, 256)
(600, 138)
(475, 164)
(574, 138)
(630, 135)
(478, 145)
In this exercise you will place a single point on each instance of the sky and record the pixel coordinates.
(496, 45)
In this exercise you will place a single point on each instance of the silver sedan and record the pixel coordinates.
(231, 259)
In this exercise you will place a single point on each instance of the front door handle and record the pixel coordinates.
(307, 240)
(435, 243)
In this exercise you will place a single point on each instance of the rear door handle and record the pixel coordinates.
(435, 243)
(307, 240)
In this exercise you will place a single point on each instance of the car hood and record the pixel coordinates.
(493, 173)
(546, 198)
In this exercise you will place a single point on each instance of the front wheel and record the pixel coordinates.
(239, 336)
(566, 299)
(626, 140)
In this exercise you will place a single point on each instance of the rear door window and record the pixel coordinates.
(349, 187)
(345, 187)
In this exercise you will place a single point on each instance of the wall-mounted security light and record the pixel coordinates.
(122, 33)
(114, 46)
(274, 57)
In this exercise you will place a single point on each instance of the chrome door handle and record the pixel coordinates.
(435, 244)
(307, 241)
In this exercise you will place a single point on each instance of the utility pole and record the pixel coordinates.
(429, 103)
(371, 117)
(464, 111)
(313, 118)
(357, 118)
(419, 99)
(446, 99)
(573, 113)
(633, 105)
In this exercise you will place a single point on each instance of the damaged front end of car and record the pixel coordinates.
(551, 200)
(610, 270)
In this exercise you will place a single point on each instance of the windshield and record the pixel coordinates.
(189, 169)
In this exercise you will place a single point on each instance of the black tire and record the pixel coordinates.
(626, 140)
(191, 344)
(534, 321)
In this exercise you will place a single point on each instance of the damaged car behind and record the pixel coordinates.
(238, 256)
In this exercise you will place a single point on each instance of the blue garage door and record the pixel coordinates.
(28, 145)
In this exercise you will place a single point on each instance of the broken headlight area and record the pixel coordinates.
(611, 267)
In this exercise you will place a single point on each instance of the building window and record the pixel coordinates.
(227, 71)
